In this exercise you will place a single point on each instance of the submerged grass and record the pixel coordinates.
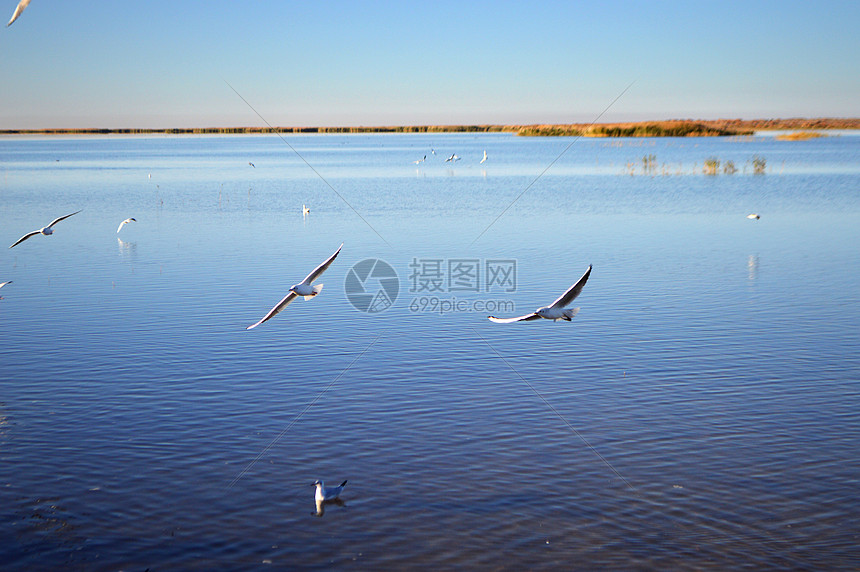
(800, 136)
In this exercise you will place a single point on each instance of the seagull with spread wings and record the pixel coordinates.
(46, 230)
(554, 311)
(18, 10)
(126, 221)
(303, 288)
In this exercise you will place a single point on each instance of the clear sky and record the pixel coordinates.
(159, 63)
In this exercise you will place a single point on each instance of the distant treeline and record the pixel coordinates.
(670, 128)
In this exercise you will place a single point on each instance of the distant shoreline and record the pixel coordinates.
(669, 128)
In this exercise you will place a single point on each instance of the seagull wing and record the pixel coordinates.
(120, 226)
(4, 283)
(526, 318)
(25, 237)
(322, 267)
(56, 220)
(572, 292)
(18, 9)
(280, 306)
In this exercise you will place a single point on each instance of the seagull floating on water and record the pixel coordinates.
(453, 157)
(46, 230)
(485, 157)
(303, 288)
(554, 311)
(753, 216)
(18, 9)
(323, 494)
(126, 221)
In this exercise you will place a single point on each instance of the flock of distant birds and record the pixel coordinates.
(452, 159)
(555, 311)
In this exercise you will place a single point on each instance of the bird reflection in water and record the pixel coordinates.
(127, 249)
(321, 504)
(752, 267)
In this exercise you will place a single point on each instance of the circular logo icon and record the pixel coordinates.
(371, 285)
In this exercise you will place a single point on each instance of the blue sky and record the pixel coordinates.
(109, 63)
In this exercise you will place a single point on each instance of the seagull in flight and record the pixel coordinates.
(453, 157)
(554, 311)
(18, 10)
(253, 165)
(753, 216)
(306, 211)
(46, 230)
(303, 288)
(126, 221)
(4, 283)
(420, 160)
(485, 157)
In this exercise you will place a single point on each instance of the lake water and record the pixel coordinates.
(702, 411)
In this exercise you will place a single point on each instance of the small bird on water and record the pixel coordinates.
(326, 494)
(753, 216)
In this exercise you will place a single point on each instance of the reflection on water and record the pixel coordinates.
(127, 250)
(127, 411)
(321, 504)
(752, 267)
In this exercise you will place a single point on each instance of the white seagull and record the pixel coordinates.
(305, 210)
(126, 221)
(303, 288)
(46, 230)
(323, 494)
(554, 311)
(18, 9)
(753, 216)
(453, 157)
(420, 160)
(485, 157)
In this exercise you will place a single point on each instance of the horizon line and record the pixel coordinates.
(519, 128)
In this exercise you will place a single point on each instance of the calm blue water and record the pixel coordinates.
(701, 411)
